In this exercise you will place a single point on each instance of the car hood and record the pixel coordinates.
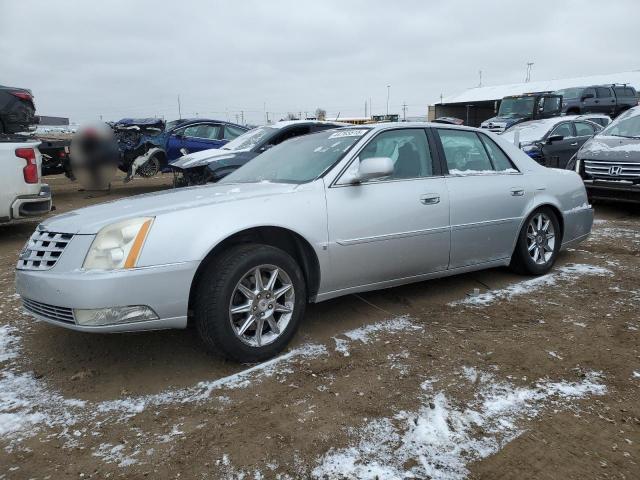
(204, 157)
(503, 121)
(90, 220)
(619, 149)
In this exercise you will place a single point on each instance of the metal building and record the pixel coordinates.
(480, 103)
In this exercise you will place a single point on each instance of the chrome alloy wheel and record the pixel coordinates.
(541, 238)
(261, 305)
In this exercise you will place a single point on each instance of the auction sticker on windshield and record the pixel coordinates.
(348, 133)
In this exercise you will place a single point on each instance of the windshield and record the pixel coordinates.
(569, 92)
(517, 107)
(626, 125)
(529, 132)
(248, 140)
(300, 159)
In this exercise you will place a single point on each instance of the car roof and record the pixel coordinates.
(286, 123)
(184, 121)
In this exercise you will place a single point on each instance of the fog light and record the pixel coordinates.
(114, 315)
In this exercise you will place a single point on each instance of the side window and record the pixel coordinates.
(212, 132)
(323, 126)
(603, 92)
(290, 133)
(589, 91)
(583, 129)
(499, 159)
(231, 132)
(464, 152)
(202, 131)
(550, 104)
(408, 149)
(563, 129)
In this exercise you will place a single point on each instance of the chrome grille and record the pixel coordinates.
(612, 170)
(59, 314)
(43, 250)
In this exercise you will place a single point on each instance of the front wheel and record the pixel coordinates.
(538, 243)
(249, 302)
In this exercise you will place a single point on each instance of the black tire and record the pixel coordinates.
(214, 292)
(521, 261)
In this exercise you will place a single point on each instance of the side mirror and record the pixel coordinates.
(587, 95)
(554, 138)
(372, 168)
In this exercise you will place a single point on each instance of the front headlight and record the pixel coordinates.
(119, 245)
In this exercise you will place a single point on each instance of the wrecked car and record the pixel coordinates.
(148, 144)
(213, 165)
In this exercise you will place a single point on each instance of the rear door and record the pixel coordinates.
(558, 153)
(487, 197)
(605, 100)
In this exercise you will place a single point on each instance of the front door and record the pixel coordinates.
(488, 197)
(558, 153)
(391, 228)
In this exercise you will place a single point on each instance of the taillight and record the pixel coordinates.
(30, 172)
(23, 95)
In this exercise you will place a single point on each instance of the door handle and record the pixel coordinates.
(573, 144)
(517, 192)
(430, 199)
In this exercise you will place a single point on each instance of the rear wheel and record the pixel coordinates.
(538, 243)
(249, 302)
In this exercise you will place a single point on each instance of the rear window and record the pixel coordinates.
(625, 92)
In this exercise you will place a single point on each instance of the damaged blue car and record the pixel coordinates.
(147, 145)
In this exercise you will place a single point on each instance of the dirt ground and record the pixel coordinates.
(484, 376)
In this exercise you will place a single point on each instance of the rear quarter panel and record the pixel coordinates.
(12, 182)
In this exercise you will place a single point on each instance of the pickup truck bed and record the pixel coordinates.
(22, 193)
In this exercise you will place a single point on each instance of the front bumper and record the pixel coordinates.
(619, 191)
(52, 297)
(32, 205)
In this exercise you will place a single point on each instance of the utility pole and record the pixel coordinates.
(528, 77)
(480, 75)
(242, 117)
(370, 108)
(404, 111)
(388, 95)
(179, 110)
(365, 109)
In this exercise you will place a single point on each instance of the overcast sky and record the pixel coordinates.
(84, 59)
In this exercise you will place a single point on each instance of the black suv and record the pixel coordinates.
(607, 99)
(17, 110)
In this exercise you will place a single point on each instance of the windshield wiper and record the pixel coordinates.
(626, 136)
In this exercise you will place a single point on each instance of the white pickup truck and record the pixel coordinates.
(22, 194)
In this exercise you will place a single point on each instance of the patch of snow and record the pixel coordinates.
(366, 333)
(554, 355)
(342, 346)
(636, 374)
(439, 439)
(116, 454)
(564, 273)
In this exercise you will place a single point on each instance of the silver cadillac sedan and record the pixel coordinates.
(319, 216)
